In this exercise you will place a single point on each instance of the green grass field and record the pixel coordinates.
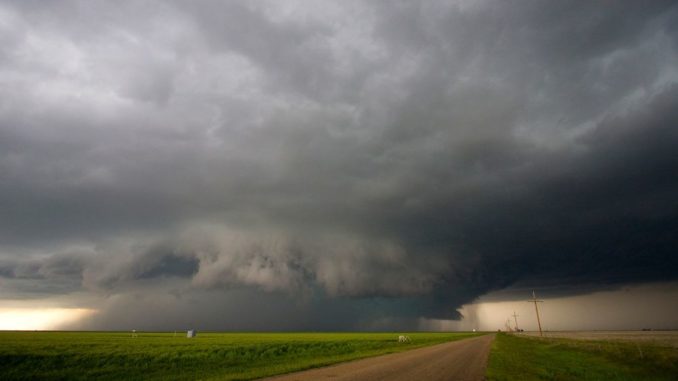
(213, 356)
(525, 359)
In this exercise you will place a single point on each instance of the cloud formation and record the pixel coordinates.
(362, 162)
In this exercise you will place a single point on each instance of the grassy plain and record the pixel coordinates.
(211, 356)
(529, 358)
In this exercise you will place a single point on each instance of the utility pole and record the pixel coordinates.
(508, 325)
(515, 317)
(536, 309)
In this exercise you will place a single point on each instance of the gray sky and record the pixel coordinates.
(333, 165)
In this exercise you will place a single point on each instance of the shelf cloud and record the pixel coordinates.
(323, 165)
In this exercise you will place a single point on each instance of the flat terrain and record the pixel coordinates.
(524, 357)
(662, 338)
(463, 360)
(210, 356)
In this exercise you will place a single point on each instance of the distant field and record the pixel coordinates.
(213, 356)
(521, 357)
(663, 338)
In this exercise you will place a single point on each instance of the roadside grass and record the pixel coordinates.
(209, 356)
(529, 358)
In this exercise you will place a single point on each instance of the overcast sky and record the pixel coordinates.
(333, 165)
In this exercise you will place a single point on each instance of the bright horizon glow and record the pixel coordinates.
(30, 319)
(629, 308)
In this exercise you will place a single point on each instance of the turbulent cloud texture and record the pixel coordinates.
(306, 164)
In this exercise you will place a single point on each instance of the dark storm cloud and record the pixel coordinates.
(379, 161)
(57, 274)
(141, 264)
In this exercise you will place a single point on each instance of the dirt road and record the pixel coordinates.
(462, 360)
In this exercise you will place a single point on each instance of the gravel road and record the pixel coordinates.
(462, 360)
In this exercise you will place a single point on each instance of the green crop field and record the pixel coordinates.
(528, 358)
(214, 356)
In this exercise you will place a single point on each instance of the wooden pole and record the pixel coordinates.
(515, 317)
(536, 309)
